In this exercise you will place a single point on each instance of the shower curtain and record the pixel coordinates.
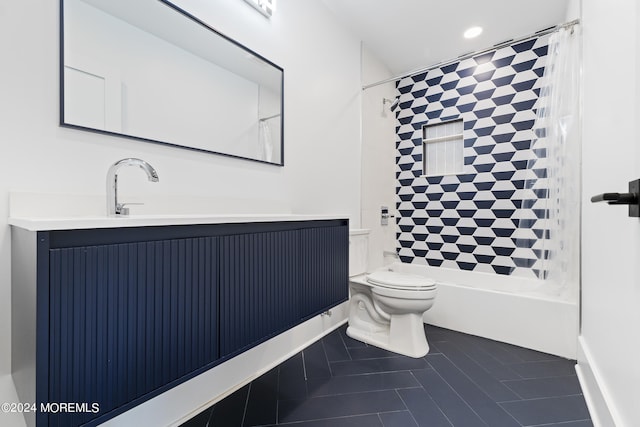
(266, 145)
(551, 203)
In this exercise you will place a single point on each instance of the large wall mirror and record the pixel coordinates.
(146, 69)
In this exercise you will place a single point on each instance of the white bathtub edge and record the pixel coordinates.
(546, 325)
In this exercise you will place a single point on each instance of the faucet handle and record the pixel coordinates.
(121, 210)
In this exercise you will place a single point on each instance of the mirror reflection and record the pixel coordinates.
(148, 70)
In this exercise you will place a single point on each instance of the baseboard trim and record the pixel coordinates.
(598, 399)
(257, 374)
(179, 404)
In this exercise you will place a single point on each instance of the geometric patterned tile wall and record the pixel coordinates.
(485, 219)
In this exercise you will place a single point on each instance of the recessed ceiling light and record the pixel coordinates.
(472, 32)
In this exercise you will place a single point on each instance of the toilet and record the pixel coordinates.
(386, 307)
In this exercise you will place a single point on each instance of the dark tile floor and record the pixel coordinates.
(464, 381)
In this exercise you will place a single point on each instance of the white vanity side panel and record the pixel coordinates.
(23, 316)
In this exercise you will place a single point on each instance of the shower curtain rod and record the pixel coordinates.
(471, 54)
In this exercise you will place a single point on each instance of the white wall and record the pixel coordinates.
(378, 158)
(610, 338)
(573, 10)
(322, 132)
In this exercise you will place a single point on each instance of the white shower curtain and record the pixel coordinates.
(556, 175)
(266, 144)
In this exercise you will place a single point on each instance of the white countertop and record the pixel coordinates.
(89, 222)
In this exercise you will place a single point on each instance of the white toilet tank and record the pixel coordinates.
(358, 251)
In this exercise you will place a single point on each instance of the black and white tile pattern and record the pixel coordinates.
(463, 381)
(485, 219)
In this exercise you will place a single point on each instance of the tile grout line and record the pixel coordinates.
(553, 359)
(471, 379)
(326, 359)
(457, 394)
(506, 383)
(344, 343)
(304, 368)
(540, 398)
(533, 362)
(339, 417)
(561, 423)
(246, 404)
(474, 344)
(480, 390)
(213, 408)
(540, 378)
(348, 393)
(277, 421)
(470, 355)
(513, 350)
(411, 413)
(514, 392)
(478, 364)
(427, 393)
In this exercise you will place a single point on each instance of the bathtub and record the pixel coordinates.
(525, 312)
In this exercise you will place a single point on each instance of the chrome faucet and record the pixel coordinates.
(113, 207)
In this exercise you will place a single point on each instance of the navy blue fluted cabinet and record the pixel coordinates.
(259, 284)
(125, 314)
(323, 268)
(127, 319)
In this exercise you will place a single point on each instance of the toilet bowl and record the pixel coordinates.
(386, 307)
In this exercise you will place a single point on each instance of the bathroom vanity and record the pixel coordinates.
(115, 311)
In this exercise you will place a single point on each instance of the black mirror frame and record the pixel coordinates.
(166, 143)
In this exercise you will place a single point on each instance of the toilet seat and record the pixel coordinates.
(403, 281)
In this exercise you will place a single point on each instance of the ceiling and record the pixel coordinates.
(411, 34)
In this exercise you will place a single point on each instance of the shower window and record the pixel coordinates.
(442, 146)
